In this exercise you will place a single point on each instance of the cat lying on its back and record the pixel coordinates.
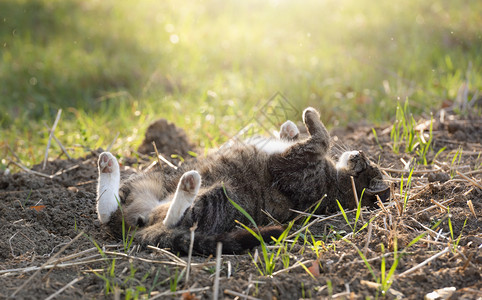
(274, 176)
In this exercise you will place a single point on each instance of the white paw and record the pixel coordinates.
(108, 163)
(289, 130)
(107, 186)
(309, 110)
(345, 158)
(190, 182)
(186, 192)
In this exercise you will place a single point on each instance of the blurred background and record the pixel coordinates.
(115, 66)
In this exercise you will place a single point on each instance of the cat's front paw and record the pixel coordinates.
(289, 131)
(353, 161)
(107, 163)
(190, 182)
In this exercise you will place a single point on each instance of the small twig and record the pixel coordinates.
(318, 220)
(296, 265)
(30, 171)
(380, 203)
(428, 229)
(112, 143)
(365, 250)
(157, 156)
(339, 295)
(408, 171)
(438, 204)
(64, 288)
(471, 207)
(59, 112)
(377, 286)
(46, 263)
(219, 249)
(13, 153)
(169, 293)
(467, 259)
(473, 172)
(240, 295)
(470, 180)
(180, 263)
(434, 206)
(87, 260)
(58, 142)
(167, 162)
(369, 260)
(432, 242)
(189, 257)
(169, 254)
(411, 270)
(10, 243)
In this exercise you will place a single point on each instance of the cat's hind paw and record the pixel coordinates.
(310, 113)
(107, 186)
(289, 131)
(186, 192)
(190, 182)
(108, 163)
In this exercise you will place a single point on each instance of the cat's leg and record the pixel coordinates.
(186, 191)
(107, 186)
(289, 131)
(316, 128)
(317, 144)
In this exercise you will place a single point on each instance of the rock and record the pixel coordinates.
(440, 176)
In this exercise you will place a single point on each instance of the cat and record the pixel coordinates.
(263, 176)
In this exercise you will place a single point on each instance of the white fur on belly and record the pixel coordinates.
(269, 145)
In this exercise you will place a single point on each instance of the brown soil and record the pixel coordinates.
(40, 219)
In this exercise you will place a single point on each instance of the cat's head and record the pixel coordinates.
(367, 177)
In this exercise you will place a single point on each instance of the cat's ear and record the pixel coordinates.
(378, 187)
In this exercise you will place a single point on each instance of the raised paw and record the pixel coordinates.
(190, 182)
(289, 131)
(310, 113)
(107, 163)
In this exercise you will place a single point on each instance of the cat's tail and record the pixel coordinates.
(178, 239)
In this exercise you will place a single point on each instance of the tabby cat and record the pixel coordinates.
(264, 176)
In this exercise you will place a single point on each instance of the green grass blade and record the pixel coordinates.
(240, 209)
(450, 224)
(344, 214)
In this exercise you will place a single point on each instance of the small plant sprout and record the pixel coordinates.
(424, 145)
(357, 216)
(455, 242)
(127, 237)
(405, 193)
(455, 161)
(175, 279)
(403, 131)
(386, 278)
(110, 284)
(376, 138)
(269, 262)
(28, 197)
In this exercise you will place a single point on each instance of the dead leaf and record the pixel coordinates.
(189, 296)
(37, 207)
(315, 268)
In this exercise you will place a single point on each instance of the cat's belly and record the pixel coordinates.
(269, 145)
